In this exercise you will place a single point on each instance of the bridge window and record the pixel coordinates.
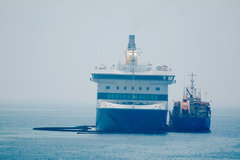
(147, 88)
(125, 87)
(136, 97)
(157, 88)
(144, 96)
(117, 87)
(112, 96)
(140, 96)
(140, 88)
(107, 87)
(129, 96)
(132, 88)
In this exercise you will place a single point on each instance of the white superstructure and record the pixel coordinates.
(131, 85)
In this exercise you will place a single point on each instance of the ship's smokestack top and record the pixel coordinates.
(131, 55)
(131, 44)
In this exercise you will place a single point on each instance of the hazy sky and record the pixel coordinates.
(48, 48)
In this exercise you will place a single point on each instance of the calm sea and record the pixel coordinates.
(19, 141)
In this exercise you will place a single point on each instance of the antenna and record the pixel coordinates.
(206, 96)
(192, 83)
(184, 93)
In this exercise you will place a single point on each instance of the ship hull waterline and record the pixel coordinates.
(190, 124)
(119, 120)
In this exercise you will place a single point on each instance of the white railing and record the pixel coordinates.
(104, 104)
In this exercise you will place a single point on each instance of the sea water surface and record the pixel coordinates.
(18, 140)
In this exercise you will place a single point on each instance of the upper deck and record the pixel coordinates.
(131, 70)
(140, 72)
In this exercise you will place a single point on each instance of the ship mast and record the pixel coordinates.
(192, 84)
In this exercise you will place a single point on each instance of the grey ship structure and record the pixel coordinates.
(191, 113)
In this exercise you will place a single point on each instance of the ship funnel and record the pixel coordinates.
(131, 56)
(131, 44)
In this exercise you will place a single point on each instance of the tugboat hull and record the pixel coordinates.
(192, 124)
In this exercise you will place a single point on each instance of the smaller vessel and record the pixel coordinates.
(191, 114)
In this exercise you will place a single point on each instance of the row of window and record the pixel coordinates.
(129, 96)
(132, 88)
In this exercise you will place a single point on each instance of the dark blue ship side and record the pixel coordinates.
(131, 120)
(191, 114)
(192, 124)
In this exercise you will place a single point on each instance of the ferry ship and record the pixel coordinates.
(132, 98)
(191, 113)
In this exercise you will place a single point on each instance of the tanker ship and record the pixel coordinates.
(132, 98)
(191, 113)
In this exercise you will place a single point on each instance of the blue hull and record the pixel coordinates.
(190, 124)
(131, 120)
